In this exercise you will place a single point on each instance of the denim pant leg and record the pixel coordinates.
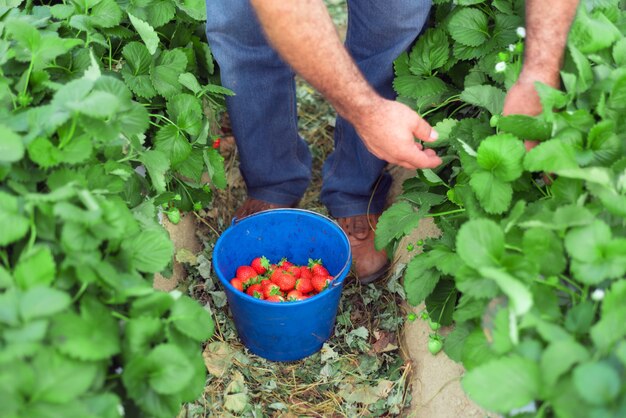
(378, 31)
(275, 162)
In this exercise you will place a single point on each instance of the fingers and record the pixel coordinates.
(423, 131)
(530, 144)
(420, 159)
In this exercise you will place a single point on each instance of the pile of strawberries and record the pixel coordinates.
(283, 281)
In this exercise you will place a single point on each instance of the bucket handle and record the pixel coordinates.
(346, 266)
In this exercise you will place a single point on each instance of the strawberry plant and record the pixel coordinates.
(531, 263)
(101, 121)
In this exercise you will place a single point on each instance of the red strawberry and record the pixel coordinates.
(270, 289)
(317, 268)
(275, 298)
(260, 264)
(294, 270)
(320, 282)
(305, 273)
(216, 143)
(294, 295)
(246, 273)
(283, 279)
(237, 284)
(304, 285)
(284, 263)
(255, 291)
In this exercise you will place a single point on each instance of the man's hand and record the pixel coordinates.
(389, 129)
(303, 33)
(523, 99)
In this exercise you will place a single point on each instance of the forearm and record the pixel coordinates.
(547, 24)
(304, 35)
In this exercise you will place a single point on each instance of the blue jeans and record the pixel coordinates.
(275, 161)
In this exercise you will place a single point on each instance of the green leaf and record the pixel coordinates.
(419, 280)
(515, 290)
(150, 251)
(487, 97)
(44, 153)
(78, 150)
(592, 33)
(618, 94)
(193, 166)
(416, 87)
(493, 194)
(441, 302)
(480, 242)
(136, 379)
(171, 369)
(12, 224)
(146, 32)
(444, 129)
(34, 268)
(398, 220)
(192, 319)
(610, 330)
(30, 332)
(157, 164)
(98, 104)
(504, 30)
(455, 341)
(194, 8)
(596, 256)
(11, 146)
(141, 334)
(606, 382)
(525, 127)
(215, 167)
(558, 358)
(189, 80)
(430, 52)
(6, 280)
(502, 155)
(476, 350)
(165, 71)
(580, 317)
(160, 12)
(551, 156)
(42, 301)
(186, 112)
(136, 69)
(468, 308)
(585, 74)
(543, 248)
(469, 27)
(619, 52)
(106, 14)
(59, 379)
(173, 143)
(503, 384)
(94, 335)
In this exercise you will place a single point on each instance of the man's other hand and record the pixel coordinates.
(389, 128)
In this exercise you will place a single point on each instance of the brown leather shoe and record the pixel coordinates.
(369, 264)
(251, 206)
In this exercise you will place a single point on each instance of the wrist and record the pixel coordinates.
(549, 75)
(360, 107)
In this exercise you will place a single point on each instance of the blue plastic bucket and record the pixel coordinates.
(292, 330)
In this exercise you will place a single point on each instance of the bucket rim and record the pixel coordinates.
(343, 274)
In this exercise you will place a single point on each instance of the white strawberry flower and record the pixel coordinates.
(500, 67)
(521, 32)
(511, 47)
(597, 295)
